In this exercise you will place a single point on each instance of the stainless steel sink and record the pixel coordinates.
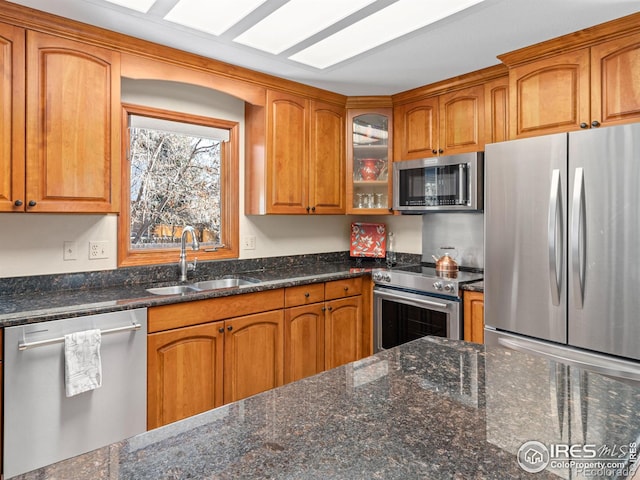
(173, 290)
(224, 283)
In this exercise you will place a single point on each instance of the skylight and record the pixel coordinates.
(296, 21)
(138, 5)
(214, 17)
(396, 20)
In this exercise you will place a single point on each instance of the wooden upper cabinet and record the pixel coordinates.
(295, 156)
(462, 121)
(327, 159)
(550, 95)
(496, 110)
(416, 129)
(369, 160)
(287, 153)
(253, 354)
(73, 126)
(446, 124)
(615, 81)
(185, 369)
(12, 41)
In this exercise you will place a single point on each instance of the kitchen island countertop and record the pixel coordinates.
(430, 409)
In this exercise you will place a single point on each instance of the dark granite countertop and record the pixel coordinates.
(430, 409)
(473, 287)
(42, 306)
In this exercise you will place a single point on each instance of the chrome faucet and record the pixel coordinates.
(182, 264)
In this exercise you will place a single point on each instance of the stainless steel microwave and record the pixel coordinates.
(440, 184)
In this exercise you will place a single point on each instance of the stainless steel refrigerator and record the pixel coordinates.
(562, 247)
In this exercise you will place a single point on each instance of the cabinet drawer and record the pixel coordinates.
(303, 294)
(166, 317)
(343, 288)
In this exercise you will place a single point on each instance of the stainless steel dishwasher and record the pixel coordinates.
(42, 425)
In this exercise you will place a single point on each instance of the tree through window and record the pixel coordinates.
(179, 173)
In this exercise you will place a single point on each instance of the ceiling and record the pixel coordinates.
(466, 41)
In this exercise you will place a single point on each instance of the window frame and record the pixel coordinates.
(229, 192)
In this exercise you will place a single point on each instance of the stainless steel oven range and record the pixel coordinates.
(414, 301)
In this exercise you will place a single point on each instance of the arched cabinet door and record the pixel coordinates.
(416, 129)
(11, 118)
(253, 354)
(549, 95)
(343, 331)
(615, 87)
(184, 372)
(462, 121)
(327, 150)
(303, 341)
(73, 126)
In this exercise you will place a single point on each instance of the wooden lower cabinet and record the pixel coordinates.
(473, 316)
(194, 369)
(185, 368)
(343, 331)
(325, 326)
(198, 360)
(304, 341)
(253, 355)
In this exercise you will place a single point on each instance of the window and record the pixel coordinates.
(178, 170)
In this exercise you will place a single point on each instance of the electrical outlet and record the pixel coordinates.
(98, 250)
(249, 242)
(70, 251)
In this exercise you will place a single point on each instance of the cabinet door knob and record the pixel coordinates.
(324, 308)
(306, 295)
(434, 151)
(583, 125)
(308, 208)
(346, 289)
(330, 308)
(313, 209)
(230, 327)
(18, 203)
(595, 123)
(32, 203)
(221, 329)
(441, 151)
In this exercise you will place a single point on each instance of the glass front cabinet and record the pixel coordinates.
(369, 185)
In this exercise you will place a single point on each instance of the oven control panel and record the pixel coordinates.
(381, 277)
(423, 281)
(446, 287)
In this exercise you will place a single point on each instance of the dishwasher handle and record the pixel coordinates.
(51, 341)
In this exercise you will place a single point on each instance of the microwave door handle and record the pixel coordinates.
(462, 184)
(555, 226)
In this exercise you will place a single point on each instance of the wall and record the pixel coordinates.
(32, 244)
(463, 231)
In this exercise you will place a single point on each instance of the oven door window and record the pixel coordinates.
(402, 323)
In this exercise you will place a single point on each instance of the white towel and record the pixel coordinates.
(82, 364)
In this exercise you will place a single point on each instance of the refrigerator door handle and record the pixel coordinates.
(577, 227)
(555, 218)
